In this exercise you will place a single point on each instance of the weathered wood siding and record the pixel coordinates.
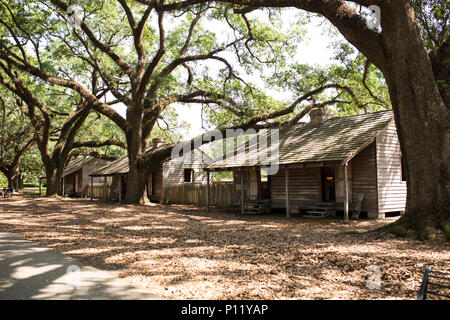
(115, 187)
(90, 167)
(73, 180)
(340, 185)
(220, 194)
(304, 187)
(68, 184)
(81, 178)
(237, 185)
(173, 171)
(391, 188)
(155, 184)
(253, 187)
(99, 191)
(364, 178)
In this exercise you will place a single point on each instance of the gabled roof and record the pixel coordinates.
(335, 140)
(120, 166)
(78, 163)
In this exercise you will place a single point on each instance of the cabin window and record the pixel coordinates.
(187, 175)
(402, 164)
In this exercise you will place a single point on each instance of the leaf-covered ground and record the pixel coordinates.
(183, 252)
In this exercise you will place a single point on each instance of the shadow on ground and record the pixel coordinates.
(29, 271)
(184, 252)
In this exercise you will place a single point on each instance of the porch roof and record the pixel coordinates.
(120, 166)
(336, 140)
(75, 165)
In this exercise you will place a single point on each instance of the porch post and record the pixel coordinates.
(120, 188)
(233, 194)
(258, 180)
(40, 184)
(346, 193)
(105, 196)
(242, 191)
(92, 188)
(286, 178)
(208, 203)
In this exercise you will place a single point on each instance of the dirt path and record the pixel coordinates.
(29, 271)
(185, 253)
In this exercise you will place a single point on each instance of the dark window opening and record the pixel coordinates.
(187, 175)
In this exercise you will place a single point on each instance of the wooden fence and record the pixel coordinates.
(98, 191)
(221, 194)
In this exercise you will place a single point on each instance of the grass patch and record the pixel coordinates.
(401, 231)
(30, 191)
(447, 232)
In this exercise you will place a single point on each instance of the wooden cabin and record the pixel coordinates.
(179, 170)
(324, 166)
(75, 179)
(185, 169)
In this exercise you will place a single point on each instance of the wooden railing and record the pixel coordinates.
(221, 194)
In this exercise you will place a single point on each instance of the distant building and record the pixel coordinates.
(75, 179)
(172, 171)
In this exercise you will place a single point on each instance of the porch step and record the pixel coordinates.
(253, 211)
(319, 210)
(257, 207)
(256, 210)
(316, 214)
(322, 205)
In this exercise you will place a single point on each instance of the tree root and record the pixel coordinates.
(401, 228)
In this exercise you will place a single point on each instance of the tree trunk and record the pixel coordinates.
(53, 185)
(12, 182)
(16, 182)
(421, 117)
(136, 179)
(20, 182)
(136, 185)
(53, 173)
(424, 144)
(141, 164)
(12, 175)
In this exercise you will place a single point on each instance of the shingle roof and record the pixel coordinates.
(337, 139)
(120, 166)
(75, 165)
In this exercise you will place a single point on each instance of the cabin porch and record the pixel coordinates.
(315, 190)
(72, 184)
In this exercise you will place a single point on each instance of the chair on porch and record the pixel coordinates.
(358, 206)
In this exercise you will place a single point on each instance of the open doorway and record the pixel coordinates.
(328, 182)
(265, 185)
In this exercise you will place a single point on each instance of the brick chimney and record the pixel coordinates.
(319, 115)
